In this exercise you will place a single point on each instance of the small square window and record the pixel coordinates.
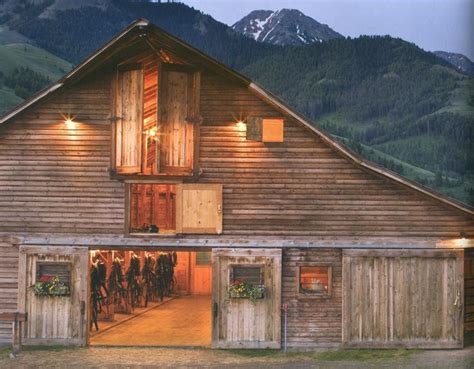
(314, 280)
(272, 130)
(247, 273)
(47, 270)
(203, 258)
(152, 208)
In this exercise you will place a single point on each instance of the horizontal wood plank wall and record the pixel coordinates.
(312, 322)
(301, 186)
(8, 285)
(469, 290)
(54, 178)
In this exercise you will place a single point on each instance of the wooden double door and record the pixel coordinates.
(403, 298)
(240, 322)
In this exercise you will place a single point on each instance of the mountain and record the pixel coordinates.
(25, 69)
(283, 27)
(461, 62)
(389, 100)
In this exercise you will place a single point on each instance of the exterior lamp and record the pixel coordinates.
(241, 125)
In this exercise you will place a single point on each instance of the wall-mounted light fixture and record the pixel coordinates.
(241, 125)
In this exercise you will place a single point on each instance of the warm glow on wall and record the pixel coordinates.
(241, 125)
(69, 123)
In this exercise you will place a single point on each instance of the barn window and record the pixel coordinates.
(156, 114)
(47, 270)
(152, 208)
(174, 208)
(252, 274)
(314, 280)
(265, 129)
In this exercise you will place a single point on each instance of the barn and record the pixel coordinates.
(153, 196)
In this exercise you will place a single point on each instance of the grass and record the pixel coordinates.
(330, 355)
(38, 60)
(364, 355)
(28, 56)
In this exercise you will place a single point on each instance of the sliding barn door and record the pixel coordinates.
(237, 322)
(56, 319)
(408, 298)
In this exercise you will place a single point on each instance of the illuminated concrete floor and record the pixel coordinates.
(183, 321)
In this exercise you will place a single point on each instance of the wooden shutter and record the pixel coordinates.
(178, 111)
(129, 119)
(199, 208)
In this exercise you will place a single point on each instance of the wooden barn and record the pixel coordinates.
(154, 181)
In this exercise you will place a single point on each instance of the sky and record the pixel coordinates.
(446, 25)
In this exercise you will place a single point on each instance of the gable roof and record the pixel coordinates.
(141, 28)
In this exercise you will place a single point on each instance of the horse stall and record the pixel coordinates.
(144, 297)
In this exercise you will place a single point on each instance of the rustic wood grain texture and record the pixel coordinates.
(239, 323)
(9, 255)
(56, 180)
(58, 318)
(312, 322)
(469, 290)
(412, 300)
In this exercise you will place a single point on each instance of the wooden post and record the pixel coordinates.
(17, 319)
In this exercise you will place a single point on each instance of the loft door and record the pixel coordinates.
(239, 322)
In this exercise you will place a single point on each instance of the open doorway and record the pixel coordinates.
(150, 298)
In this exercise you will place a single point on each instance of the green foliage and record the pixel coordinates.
(25, 82)
(382, 92)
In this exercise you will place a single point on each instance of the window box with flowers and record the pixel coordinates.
(50, 285)
(245, 290)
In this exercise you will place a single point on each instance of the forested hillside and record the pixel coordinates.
(389, 100)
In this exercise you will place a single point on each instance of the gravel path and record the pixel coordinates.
(101, 357)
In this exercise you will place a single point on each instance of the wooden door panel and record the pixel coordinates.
(176, 128)
(237, 323)
(129, 120)
(199, 208)
(411, 299)
(55, 319)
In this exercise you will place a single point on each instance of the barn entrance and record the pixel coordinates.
(150, 298)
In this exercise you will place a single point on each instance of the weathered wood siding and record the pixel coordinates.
(55, 179)
(312, 321)
(302, 187)
(403, 298)
(56, 319)
(8, 284)
(237, 322)
(469, 290)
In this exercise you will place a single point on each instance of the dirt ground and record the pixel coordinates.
(113, 357)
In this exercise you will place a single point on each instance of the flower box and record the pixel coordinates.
(50, 286)
(244, 290)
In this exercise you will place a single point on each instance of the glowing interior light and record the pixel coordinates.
(152, 132)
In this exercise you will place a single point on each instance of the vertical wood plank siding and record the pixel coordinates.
(312, 321)
(8, 285)
(411, 300)
(54, 179)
